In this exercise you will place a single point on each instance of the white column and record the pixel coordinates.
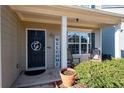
(63, 42)
(117, 45)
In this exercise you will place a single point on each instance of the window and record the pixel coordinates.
(79, 42)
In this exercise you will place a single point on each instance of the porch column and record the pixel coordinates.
(117, 45)
(63, 41)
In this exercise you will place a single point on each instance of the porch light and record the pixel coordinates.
(77, 19)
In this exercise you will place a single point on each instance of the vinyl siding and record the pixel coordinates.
(108, 40)
(10, 48)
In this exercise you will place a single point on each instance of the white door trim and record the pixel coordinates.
(27, 69)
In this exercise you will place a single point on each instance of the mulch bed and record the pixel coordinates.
(59, 84)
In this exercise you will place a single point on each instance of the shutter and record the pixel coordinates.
(92, 40)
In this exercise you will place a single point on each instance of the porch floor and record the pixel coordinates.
(50, 75)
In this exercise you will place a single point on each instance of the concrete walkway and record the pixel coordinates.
(50, 75)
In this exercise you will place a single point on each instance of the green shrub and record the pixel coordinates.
(107, 74)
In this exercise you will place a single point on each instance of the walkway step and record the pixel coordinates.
(37, 84)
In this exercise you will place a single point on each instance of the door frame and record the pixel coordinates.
(38, 68)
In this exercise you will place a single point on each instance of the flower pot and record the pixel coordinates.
(68, 76)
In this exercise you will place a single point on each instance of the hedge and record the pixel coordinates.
(107, 74)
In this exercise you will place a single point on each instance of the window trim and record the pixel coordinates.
(80, 43)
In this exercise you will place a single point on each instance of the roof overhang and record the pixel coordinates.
(87, 18)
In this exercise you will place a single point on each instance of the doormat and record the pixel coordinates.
(34, 72)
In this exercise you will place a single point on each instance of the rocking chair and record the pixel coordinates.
(70, 59)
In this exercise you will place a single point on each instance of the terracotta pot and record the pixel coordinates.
(67, 79)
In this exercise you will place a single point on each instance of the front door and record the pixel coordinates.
(35, 49)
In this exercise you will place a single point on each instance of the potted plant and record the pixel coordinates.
(68, 76)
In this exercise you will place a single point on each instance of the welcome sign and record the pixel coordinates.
(57, 52)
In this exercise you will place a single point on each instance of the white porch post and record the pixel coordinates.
(117, 45)
(63, 41)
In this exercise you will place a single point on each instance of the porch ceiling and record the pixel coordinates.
(88, 18)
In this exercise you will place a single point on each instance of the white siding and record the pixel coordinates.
(10, 51)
